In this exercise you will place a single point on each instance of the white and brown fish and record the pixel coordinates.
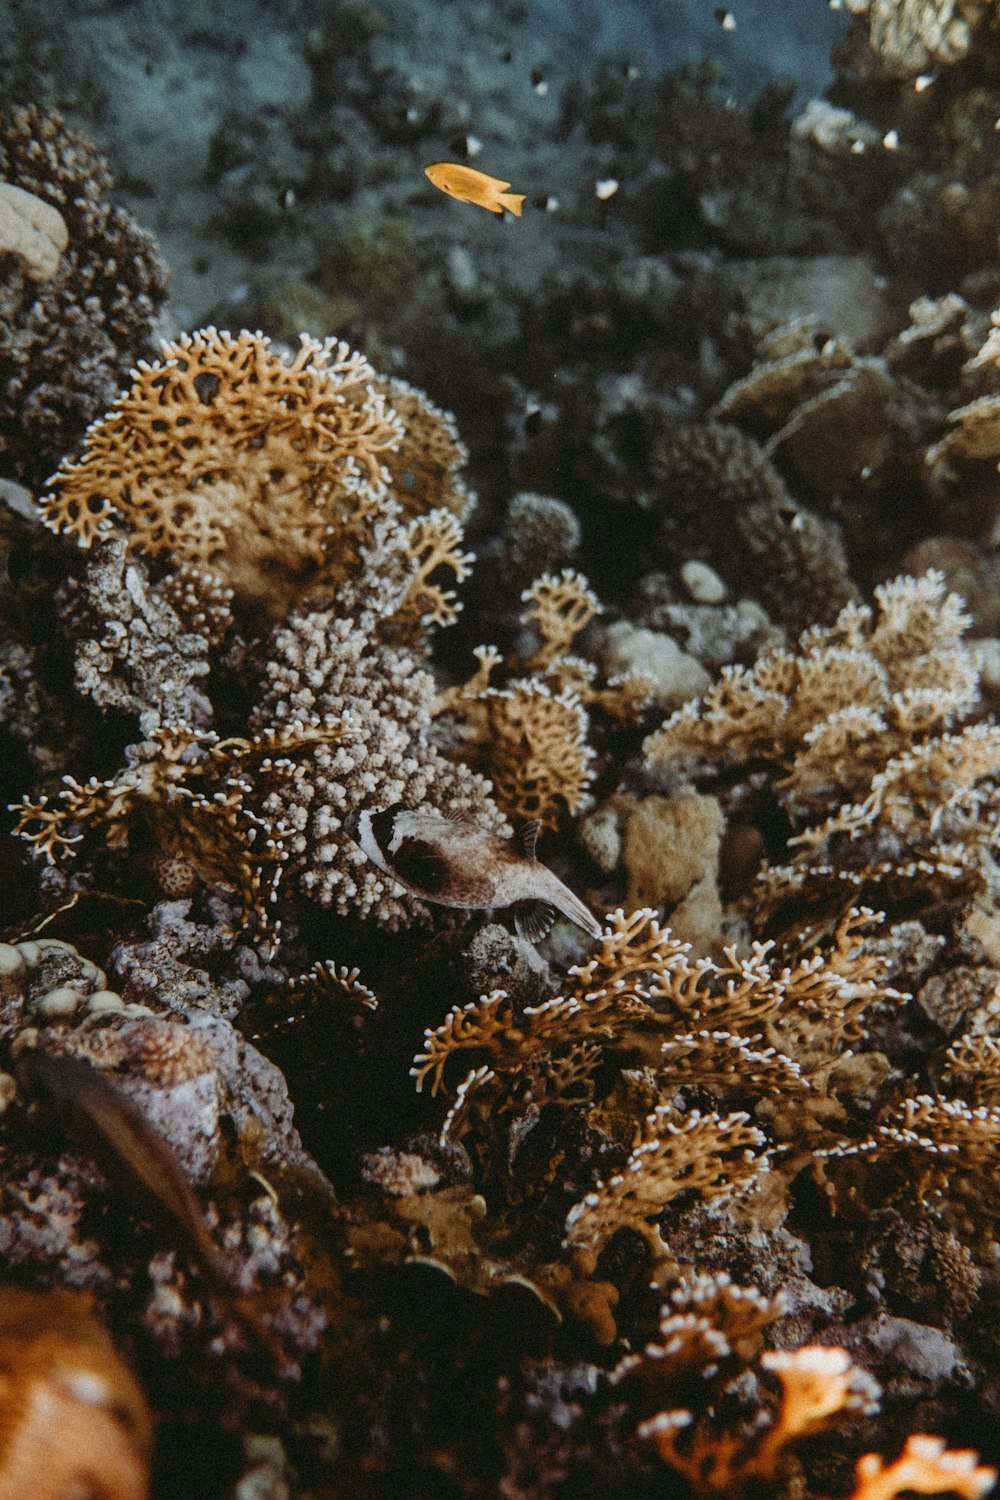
(457, 863)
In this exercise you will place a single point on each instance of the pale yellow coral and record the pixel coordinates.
(33, 230)
(855, 693)
(537, 753)
(559, 607)
(915, 36)
(531, 736)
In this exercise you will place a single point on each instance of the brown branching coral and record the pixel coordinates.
(229, 458)
(667, 1060)
(425, 467)
(256, 480)
(709, 1155)
(942, 1153)
(853, 695)
(711, 1332)
(531, 736)
(642, 984)
(199, 797)
(262, 475)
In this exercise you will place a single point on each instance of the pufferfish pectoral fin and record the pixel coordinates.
(533, 919)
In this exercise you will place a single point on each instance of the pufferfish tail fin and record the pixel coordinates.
(513, 201)
(552, 893)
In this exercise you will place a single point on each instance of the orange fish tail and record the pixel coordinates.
(513, 201)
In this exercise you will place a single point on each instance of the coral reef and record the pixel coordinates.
(339, 1192)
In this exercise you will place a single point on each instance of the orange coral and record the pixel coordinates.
(925, 1466)
(817, 1384)
(73, 1419)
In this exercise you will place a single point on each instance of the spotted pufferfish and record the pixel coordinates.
(456, 863)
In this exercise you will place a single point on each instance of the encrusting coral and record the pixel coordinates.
(32, 230)
(68, 341)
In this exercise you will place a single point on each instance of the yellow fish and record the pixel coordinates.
(471, 186)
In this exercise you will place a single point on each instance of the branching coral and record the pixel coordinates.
(228, 458)
(530, 736)
(710, 1156)
(682, 1052)
(136, 651)
(941, 1152)
(198, 797)
(927, 1467)
(853, 695)
(263, 475)
(859, 725)
(817, 1383)
(710, 1337)
(642, 983)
